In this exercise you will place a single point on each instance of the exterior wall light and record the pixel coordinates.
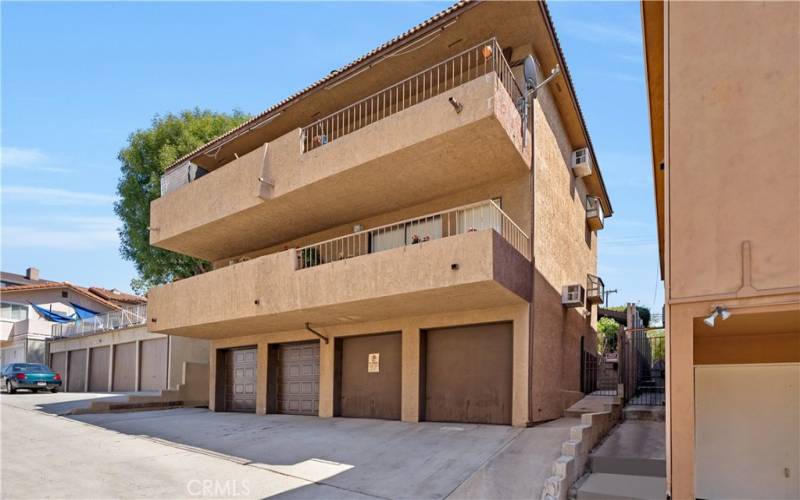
(720, 311)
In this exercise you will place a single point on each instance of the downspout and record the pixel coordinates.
(323, 337)
(533, 260)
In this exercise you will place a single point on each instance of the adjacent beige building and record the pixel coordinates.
(724, 94)
(398, 240)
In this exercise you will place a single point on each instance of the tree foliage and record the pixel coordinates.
(607, 329)
(145, 158)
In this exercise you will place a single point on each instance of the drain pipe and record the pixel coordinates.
(323, 337)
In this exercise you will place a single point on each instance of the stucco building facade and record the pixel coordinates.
(724, 95)
(396, 240)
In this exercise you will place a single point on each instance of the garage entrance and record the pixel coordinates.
(76, 373)
(240, 380)
(293, 381)
(98, 368)
(468, 374)
(368, 376)
(124, 376)
(153, 365)
(58, 362)
(743, 412)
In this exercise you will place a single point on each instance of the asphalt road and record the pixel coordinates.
(194, 453)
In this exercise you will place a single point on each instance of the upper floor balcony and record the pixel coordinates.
(470, 257)
(450, 127)
(126, 317)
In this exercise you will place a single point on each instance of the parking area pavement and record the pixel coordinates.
(195, 453)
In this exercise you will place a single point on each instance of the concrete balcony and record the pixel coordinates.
(472, 270)
(466, 135)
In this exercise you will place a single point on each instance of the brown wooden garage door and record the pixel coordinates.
(297, 378)
(240, 380)
(77, 371)
(153, 365)
(124, 377)
(468, 374)
(58, 362)
(370, 384)
(98, 369)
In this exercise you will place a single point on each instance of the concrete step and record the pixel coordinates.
(622, 487)
(634, 466)
(641, 412)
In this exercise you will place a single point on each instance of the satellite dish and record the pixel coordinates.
(530, 73)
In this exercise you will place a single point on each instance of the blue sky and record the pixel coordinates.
(78, 78)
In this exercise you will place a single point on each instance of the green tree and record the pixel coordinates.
(607, 330)
(148, 153)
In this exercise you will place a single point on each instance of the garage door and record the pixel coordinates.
(370, 376)
(124, 367)
(98, 369)
(240, 380)
(747, 431)
(153, 365)
(468, 374)
(77, 371)
(298, 378)
(58, 362)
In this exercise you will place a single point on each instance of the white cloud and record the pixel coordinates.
(54, 196)
(597, 32)
(30, 159)
(63, 232)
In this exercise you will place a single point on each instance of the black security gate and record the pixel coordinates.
(642, 367)
(599, 372)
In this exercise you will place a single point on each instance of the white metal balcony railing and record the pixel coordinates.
(468, 65)
(180, 176)
(112, 320)
(469, 218)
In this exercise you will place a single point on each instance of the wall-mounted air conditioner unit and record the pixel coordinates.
(581, 162)
(573, 296)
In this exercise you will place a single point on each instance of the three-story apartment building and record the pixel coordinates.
(402, 239)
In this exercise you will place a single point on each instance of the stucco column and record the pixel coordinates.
(326, 378)
(680, 402)
(138, 368)
(262, 366)
(212, 378)
(410, 379)
(64, 384)
(86, 370)
(520, 392)
(111, 348)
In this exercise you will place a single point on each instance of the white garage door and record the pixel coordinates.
(747, 431)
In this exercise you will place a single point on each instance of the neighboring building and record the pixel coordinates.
(31, 311)
(31, 277)
(370, 235)
(114, 352)
(724, 93)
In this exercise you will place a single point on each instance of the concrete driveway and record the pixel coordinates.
(194, 453)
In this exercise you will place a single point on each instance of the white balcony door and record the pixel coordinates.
(479, 218)
(407, 234)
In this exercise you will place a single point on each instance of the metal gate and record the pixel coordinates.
(599, 372)
(642, 367)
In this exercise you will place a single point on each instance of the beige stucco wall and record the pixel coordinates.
(565, 251)
(732, 196)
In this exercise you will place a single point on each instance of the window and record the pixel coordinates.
(13, 312)
(65, 294)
